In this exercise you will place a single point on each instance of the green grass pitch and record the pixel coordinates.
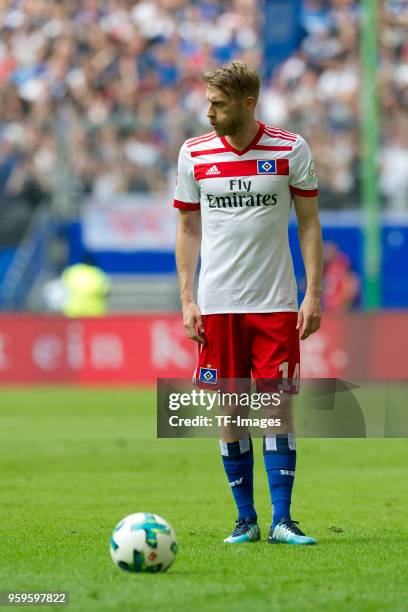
(75, 461)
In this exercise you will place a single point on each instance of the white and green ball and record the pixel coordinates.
(143, 542)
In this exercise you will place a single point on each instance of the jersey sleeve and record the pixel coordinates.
(302, 180)
(187, 194)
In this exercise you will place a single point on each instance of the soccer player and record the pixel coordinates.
(235, 188)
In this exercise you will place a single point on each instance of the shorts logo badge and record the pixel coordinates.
(208, 375)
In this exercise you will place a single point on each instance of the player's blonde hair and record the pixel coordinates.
(236, 78)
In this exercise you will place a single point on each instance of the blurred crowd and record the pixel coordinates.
(317, 93)
(104, 91)
(108, 88)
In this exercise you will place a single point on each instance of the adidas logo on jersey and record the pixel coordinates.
(213, 170)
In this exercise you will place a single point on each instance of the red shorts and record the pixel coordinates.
(261, 346)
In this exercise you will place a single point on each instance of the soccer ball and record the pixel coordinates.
(143, 542)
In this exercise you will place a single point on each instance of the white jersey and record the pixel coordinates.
(245, 199)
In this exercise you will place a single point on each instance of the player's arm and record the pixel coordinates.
(187, 200)
(311, 244)
(188, 242)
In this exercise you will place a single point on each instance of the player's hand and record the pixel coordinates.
(309, 316)
(193, 322)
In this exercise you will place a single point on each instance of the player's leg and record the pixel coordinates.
(275, 355)
(238, 460)
(224, 354)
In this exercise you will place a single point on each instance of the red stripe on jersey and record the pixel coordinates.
(237, 168)
(197, 141)
(189, 140)
(306, 193)
(272, 128)
(280, 135)
(205, 138)
(208, 152)
(186, 205)
(280, 131)
(272, 148)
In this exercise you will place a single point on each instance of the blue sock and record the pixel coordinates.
(238, 459)
(280, 463)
